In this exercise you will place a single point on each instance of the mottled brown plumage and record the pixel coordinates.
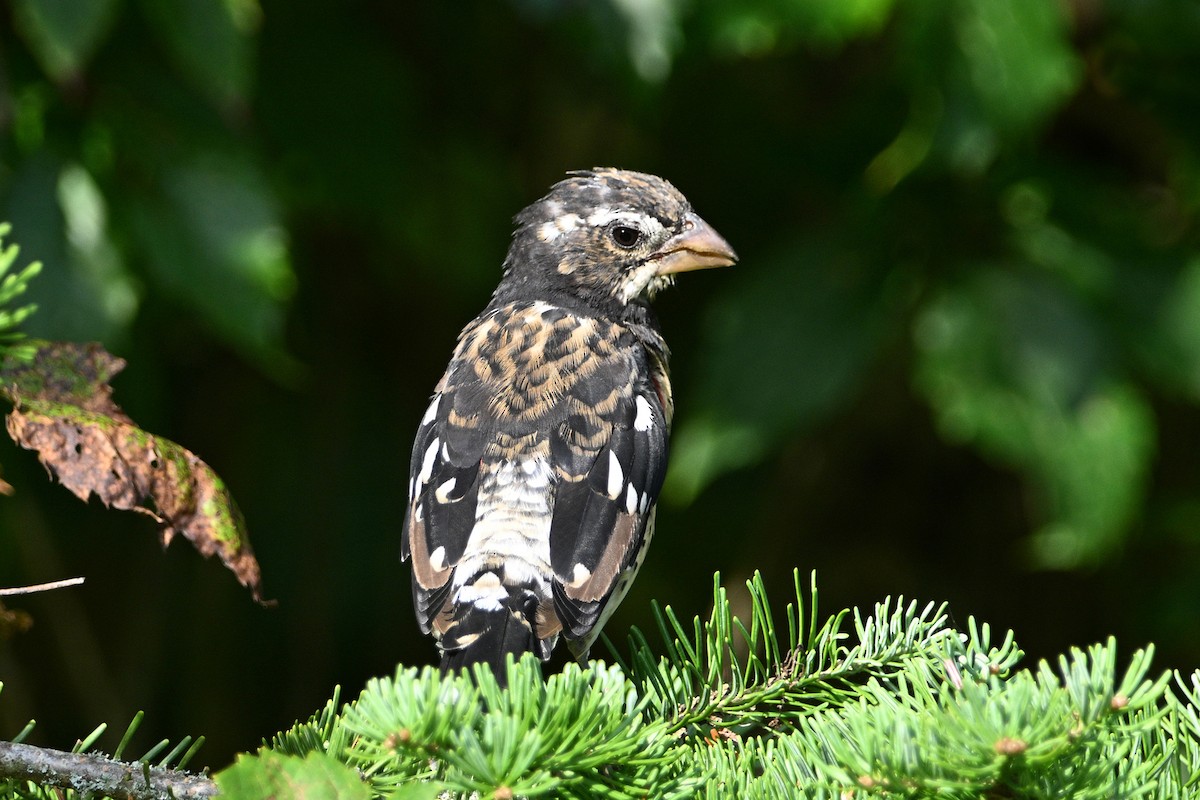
(538, 463)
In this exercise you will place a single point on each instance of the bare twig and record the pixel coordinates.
(41, 587)
(97, 775)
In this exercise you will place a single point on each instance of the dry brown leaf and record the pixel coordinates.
(63, 409)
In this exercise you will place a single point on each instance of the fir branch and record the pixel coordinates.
(722, 673)
(580, 734)
(12, 285)
(92, 774)
(323, 732)
(887, 703)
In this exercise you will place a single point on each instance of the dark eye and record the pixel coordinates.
(625, 236)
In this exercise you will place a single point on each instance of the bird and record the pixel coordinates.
(538, 462)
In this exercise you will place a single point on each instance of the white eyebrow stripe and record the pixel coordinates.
(603, 216)
(644, 222)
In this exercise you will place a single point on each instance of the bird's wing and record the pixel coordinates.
(610, 453)
(443, 487)
(491, 406)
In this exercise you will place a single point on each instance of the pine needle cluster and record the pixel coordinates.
(12, 286)
(891, 703)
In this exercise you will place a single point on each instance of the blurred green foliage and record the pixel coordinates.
(960, 356)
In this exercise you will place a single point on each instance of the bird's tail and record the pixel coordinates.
(487, 628)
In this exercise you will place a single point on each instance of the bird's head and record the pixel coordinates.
(609, 237)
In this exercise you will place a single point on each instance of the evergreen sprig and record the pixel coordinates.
(722, 673)
(581, 733)
(888, 703)
(13, 285)
(323, 732)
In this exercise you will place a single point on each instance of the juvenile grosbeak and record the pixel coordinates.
(539, 460)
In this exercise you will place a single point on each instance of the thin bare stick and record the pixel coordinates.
(41, 587)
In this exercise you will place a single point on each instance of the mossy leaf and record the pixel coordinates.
(63, 409)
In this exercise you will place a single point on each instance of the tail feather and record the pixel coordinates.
(488, 629)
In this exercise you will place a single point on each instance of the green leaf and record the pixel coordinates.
(996, 71)
(1018, 368)
(216, 242)
(211, 42)
(85, 291)
(96, 266)
(271, 776)
(653, 34)
(63, 34)
(1019, 58)
(1178, 324)
(757, 27)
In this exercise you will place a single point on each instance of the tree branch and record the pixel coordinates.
(97, 775)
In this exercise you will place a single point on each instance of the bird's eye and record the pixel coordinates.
(625, 236)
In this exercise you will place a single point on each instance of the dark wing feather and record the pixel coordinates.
(444, 487)
(611, 459)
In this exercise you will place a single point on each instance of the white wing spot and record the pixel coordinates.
(645, 414)
(631, 499)
(431, 412)
(616, 478)
(427, 464)
(580, 574)
(468, 639)
(443, 492)
(644, 505)
(437, 559)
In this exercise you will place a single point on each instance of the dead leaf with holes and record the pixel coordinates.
(63, 409)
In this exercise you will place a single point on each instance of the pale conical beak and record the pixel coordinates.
(697, 247)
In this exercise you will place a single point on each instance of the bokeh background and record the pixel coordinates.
(959, 360)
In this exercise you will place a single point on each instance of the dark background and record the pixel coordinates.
(959, 359)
